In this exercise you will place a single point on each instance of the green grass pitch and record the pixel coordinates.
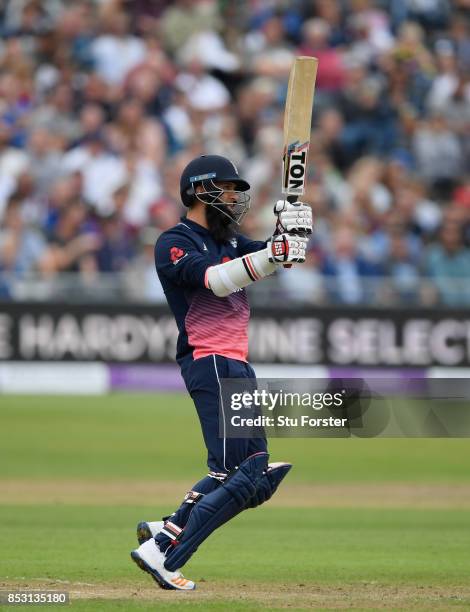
(379, 523)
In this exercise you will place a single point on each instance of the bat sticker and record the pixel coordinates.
(295, 165)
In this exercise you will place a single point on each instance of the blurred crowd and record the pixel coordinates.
(103, 102)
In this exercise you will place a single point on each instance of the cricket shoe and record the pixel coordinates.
(147, 530)
(150, 559)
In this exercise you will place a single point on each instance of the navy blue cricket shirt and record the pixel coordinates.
(207, 324)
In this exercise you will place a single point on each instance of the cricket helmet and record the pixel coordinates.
(207, 170)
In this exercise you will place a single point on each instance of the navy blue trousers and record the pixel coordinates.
(202, 378)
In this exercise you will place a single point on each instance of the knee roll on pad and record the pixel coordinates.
(217, 508)
(268, 483)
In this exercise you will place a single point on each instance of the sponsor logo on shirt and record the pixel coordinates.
(176, 255)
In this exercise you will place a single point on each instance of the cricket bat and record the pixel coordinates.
(297, 127)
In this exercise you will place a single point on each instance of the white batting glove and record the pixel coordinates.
(287, 248)
(293, 218)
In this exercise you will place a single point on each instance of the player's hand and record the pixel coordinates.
(287, 249)
(293, 218)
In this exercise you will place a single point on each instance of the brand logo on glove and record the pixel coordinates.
(279, 248)
(176, 254)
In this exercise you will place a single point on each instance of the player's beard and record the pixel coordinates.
(221, 226)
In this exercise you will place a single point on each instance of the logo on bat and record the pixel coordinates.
(295, 165)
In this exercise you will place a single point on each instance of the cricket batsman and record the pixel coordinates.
(204, 264)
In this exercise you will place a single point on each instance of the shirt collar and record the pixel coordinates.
(194, 226)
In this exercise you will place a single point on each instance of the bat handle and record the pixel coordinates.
(292, 199)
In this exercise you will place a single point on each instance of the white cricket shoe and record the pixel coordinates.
(150, 559)
(147, 530)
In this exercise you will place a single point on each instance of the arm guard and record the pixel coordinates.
(233, 275)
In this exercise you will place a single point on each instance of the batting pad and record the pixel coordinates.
(217, 508)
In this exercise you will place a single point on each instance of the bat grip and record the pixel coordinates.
(292, 199)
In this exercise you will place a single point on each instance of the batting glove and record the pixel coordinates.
(293, 218)
(287, 248)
